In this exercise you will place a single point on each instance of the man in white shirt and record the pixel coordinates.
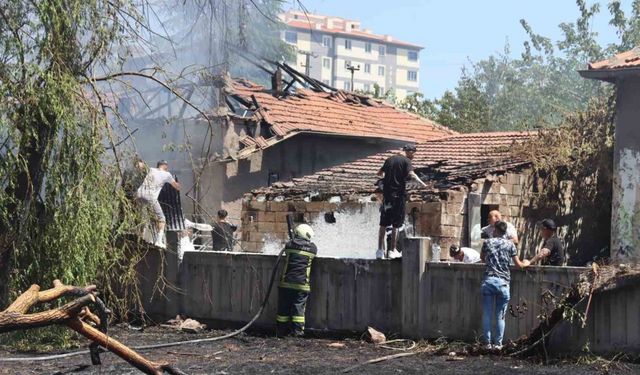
(149, 191)
(488, 231)
(464, 254)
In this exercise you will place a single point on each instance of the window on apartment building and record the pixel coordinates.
(382, 50)
(326, 62)
(382, 92)
(347, 86)
(412, 75)
(413, 55)
(347, 44)
(326, 82)
(326, 41)
(291, 37)
(367, 87)
(381, 70)
(367, 68)
(367, 47)
(347, 64)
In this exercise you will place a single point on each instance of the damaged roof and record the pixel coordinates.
(305, 110)
(442, 163)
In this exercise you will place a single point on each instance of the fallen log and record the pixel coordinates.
(76, 315)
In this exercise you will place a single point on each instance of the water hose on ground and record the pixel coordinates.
(168, 344)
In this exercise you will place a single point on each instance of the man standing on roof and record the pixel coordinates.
(149, 191)
(395, 172)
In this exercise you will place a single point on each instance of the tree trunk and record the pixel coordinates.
(34, 149)
(15, 317)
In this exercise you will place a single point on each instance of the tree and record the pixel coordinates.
(63, 211)
(540, 87)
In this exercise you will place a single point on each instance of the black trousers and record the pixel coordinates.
(291, 307)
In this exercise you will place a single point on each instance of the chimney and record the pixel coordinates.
(276, 82)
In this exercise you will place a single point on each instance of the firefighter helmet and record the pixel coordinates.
(304, 231)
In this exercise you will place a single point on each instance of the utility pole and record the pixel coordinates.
(307, 65)
(352, 69)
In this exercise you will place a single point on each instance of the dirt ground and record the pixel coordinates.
(265, 354)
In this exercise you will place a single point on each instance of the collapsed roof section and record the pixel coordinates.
(305, 105)
(443, 163)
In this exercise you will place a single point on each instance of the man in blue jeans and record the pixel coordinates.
(497, 252)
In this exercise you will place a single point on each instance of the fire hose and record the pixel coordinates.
(177, 343)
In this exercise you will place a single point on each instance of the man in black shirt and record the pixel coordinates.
(395, 172)
(552, 253)
(222, 233)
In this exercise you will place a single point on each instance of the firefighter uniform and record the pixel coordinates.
(294, 287)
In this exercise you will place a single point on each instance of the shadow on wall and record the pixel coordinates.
(581, 207)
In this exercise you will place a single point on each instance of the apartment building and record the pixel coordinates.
(328, 46)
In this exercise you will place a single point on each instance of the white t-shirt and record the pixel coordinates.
(511, 231)
(153, 183)
(470, 255)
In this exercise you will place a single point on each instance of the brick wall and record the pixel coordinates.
(268, 219)
(444, 218)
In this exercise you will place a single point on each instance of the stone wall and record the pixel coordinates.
(442, 216)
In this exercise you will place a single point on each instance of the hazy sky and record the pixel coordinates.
(455, 32)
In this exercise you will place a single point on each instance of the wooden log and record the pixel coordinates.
(122, 351)
(15, 317)
(13, 320)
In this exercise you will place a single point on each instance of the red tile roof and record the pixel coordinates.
(305, 25)
(338, 113)
(454, 160)
(624, 60)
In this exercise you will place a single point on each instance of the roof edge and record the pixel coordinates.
(609, 75)
(374, 37)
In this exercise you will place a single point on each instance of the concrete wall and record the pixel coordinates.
(625, 228)
(415, 298)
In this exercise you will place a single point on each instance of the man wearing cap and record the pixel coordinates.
(149, 191)
(552, 252)
(395, 172)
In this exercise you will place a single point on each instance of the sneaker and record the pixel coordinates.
(497, 348)
(395, 254)
(380, 254)
(487, 347)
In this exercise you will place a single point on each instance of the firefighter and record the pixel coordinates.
(294, 287)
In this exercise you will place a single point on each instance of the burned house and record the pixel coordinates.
(255, 135)
(468, 176)
(286, 131)
(624, 71)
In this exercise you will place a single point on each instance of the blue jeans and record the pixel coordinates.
(495, 299)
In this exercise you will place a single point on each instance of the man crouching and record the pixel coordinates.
(294, 287)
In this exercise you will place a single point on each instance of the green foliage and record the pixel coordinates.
(572, 166)
(540, 87)
(62, 206)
